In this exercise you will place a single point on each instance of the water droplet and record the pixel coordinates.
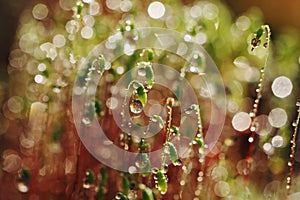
(86, 185)
(201, 173)
(141, 160)
(250, 139)
(142, 71)
(199, 179)
(136, 106)
(129, 124)
(23, 180)
(251, 114)
(42, 67)
(170, 102)
(154, 170)
(294, 123)
(178, 162)
(298, 103)
(40, 79)
(86, 120)
(22, 186)
(255, 43)
(154, 119)
(252, 128)
(89, 179)
(119, 195)
(182, 182)
(197, 193)
(290, 163)
(167, 150)
(132, 169)
(262, 70)
(165, 168)
(188, 110)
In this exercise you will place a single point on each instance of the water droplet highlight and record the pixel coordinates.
(136, 106)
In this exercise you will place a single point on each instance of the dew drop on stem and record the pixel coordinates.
(178, 162)
(141, 160)
(88, 180)
(136, 106)
(142, 71)
(23, 180)
(22, 186)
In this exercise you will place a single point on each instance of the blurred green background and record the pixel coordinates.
(278, 14)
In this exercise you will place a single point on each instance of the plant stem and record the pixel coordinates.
(253, 113)
(292, 154)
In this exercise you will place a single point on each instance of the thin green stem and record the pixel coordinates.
(170, 102)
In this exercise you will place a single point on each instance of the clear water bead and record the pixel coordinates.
(86, 120)
(189, 110)
(294, 123)
(136, 106)
(178, 162)
(132, 169)
(22, 186)
(142, 71)
(141, 161)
